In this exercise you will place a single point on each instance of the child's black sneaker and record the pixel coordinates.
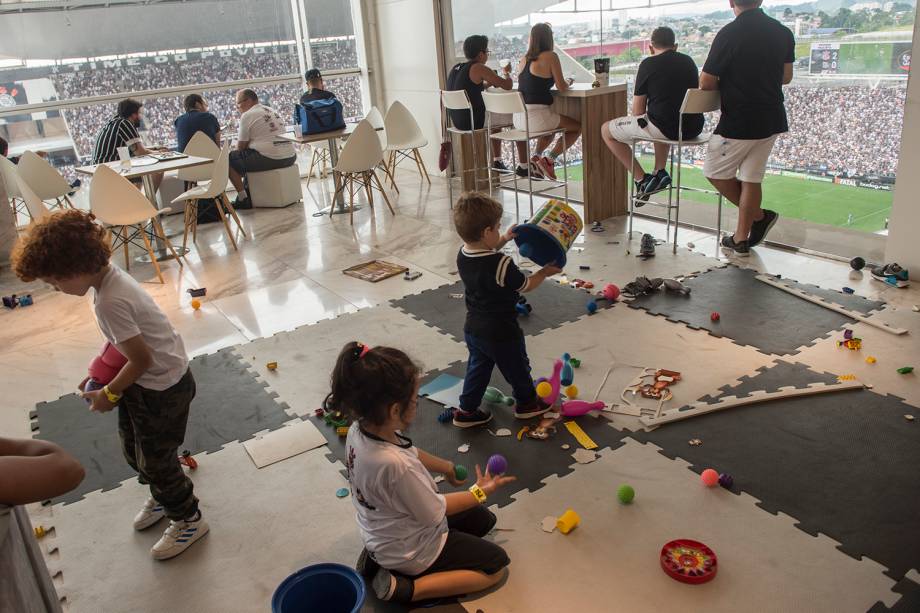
(393, 587)
(534, 408)
(366, 566)
(741, 248)
(468, 419)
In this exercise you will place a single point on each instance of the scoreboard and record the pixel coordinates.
(882, 59)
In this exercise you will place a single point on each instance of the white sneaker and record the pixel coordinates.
(150, 513)
(179, 537)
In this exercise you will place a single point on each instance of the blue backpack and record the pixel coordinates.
(320, 116)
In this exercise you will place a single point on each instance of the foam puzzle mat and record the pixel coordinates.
(843, 464)
(752, 312)
(213, 421)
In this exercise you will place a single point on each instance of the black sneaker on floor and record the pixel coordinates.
(468, 419)
(647, 246)
(499, 165)
(366, 566)
(533, 408)
(660, 180)
(642, 191)
(760, 228)
(741, 248)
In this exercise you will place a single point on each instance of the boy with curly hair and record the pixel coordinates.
(154, 389)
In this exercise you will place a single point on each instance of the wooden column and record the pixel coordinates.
(605, 187)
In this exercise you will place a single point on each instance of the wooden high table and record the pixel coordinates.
(605, 181)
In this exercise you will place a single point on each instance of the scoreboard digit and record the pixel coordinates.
(825, 58)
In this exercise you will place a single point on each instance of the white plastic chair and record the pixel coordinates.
(375, 118)
(116, 202)
(509, 103)
(216, 189)
(12, 181)
(201, 146)
(695, 101)
(45, 181)
(36, 209)
(404, 138)
(356, 167)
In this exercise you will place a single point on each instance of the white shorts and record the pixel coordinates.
(730, 158)
(542, 118)
(627, 129)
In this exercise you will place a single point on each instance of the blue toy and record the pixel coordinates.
(591, 307)
(568, 374)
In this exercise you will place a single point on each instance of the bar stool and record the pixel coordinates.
(695, 101)
(459, 101)
(509, 103)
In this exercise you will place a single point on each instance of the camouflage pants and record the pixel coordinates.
(152, 427)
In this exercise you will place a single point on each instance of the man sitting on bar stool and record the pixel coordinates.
(473, 76)
(661, 84)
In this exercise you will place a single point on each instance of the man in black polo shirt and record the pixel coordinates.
(749, 62)
(661, 84)
(316, 89)
(121, 131)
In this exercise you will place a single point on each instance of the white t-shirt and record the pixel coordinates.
(401, 516)
(123, 310)
(262, 126)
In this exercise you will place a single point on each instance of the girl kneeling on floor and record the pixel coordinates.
(418, 543)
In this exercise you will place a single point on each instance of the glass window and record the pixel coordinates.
(332, 34)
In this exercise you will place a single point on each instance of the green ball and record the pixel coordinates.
(626, 493)
(460, 472)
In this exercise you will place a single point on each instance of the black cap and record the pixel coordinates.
(312, 74)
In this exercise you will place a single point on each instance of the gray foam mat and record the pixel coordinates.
(230, 405)
(753, 313)
(529, 460)
(909, 601)
(843, 464)
(553, 305)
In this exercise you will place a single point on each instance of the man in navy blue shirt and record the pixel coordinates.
(195, 119)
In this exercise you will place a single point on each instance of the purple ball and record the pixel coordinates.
(91, 386)
(726, 481)
(497, 465)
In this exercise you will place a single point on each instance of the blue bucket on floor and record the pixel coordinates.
(330, 588)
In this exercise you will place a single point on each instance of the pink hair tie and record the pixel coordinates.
(364, 350)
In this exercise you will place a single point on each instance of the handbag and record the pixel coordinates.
(319, 116)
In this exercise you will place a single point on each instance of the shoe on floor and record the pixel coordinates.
(468, 419)
(647, 246)
(178, 537)
(547, 167)
(534, 408)
(642, 191)
(366, 566)
(242, 204)
(499, 165)
(392, 587)
(740, 248)
(660, 180)
(760, 228)
(150, 513)
(892, 274)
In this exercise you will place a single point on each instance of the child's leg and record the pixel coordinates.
(478, 375)
(454, 583)
(511, 359)
(160, 419)
(128, 438)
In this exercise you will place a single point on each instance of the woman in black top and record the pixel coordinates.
(538, 71)
(473, 76)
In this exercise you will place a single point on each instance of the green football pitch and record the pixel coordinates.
(815, 201)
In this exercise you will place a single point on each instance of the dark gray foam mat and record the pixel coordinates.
(529, 460)
(842, 463)
(754, 313)
(909, 601)
(553, 305)
(230, 405)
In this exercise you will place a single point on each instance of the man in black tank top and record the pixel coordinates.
(472, 77)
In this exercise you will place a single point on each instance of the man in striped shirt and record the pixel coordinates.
(121, 131)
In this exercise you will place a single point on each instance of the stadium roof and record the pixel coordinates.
(55, 29)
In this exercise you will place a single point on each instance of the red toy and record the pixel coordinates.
(611, 292)
(689, 561)
(714, 316)
(106, 365)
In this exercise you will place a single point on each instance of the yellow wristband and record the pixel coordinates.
(476, 491)
(113, 398)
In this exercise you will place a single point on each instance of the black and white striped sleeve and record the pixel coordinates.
(507, 274)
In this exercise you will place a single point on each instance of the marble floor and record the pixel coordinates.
(287, 275)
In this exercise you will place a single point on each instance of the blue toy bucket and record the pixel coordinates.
(550, 234)
(326, 588)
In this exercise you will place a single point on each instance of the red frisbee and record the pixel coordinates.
(689, 561)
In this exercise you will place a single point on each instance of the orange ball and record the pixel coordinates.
(710, 478)
(196, 304)
(544, 389)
